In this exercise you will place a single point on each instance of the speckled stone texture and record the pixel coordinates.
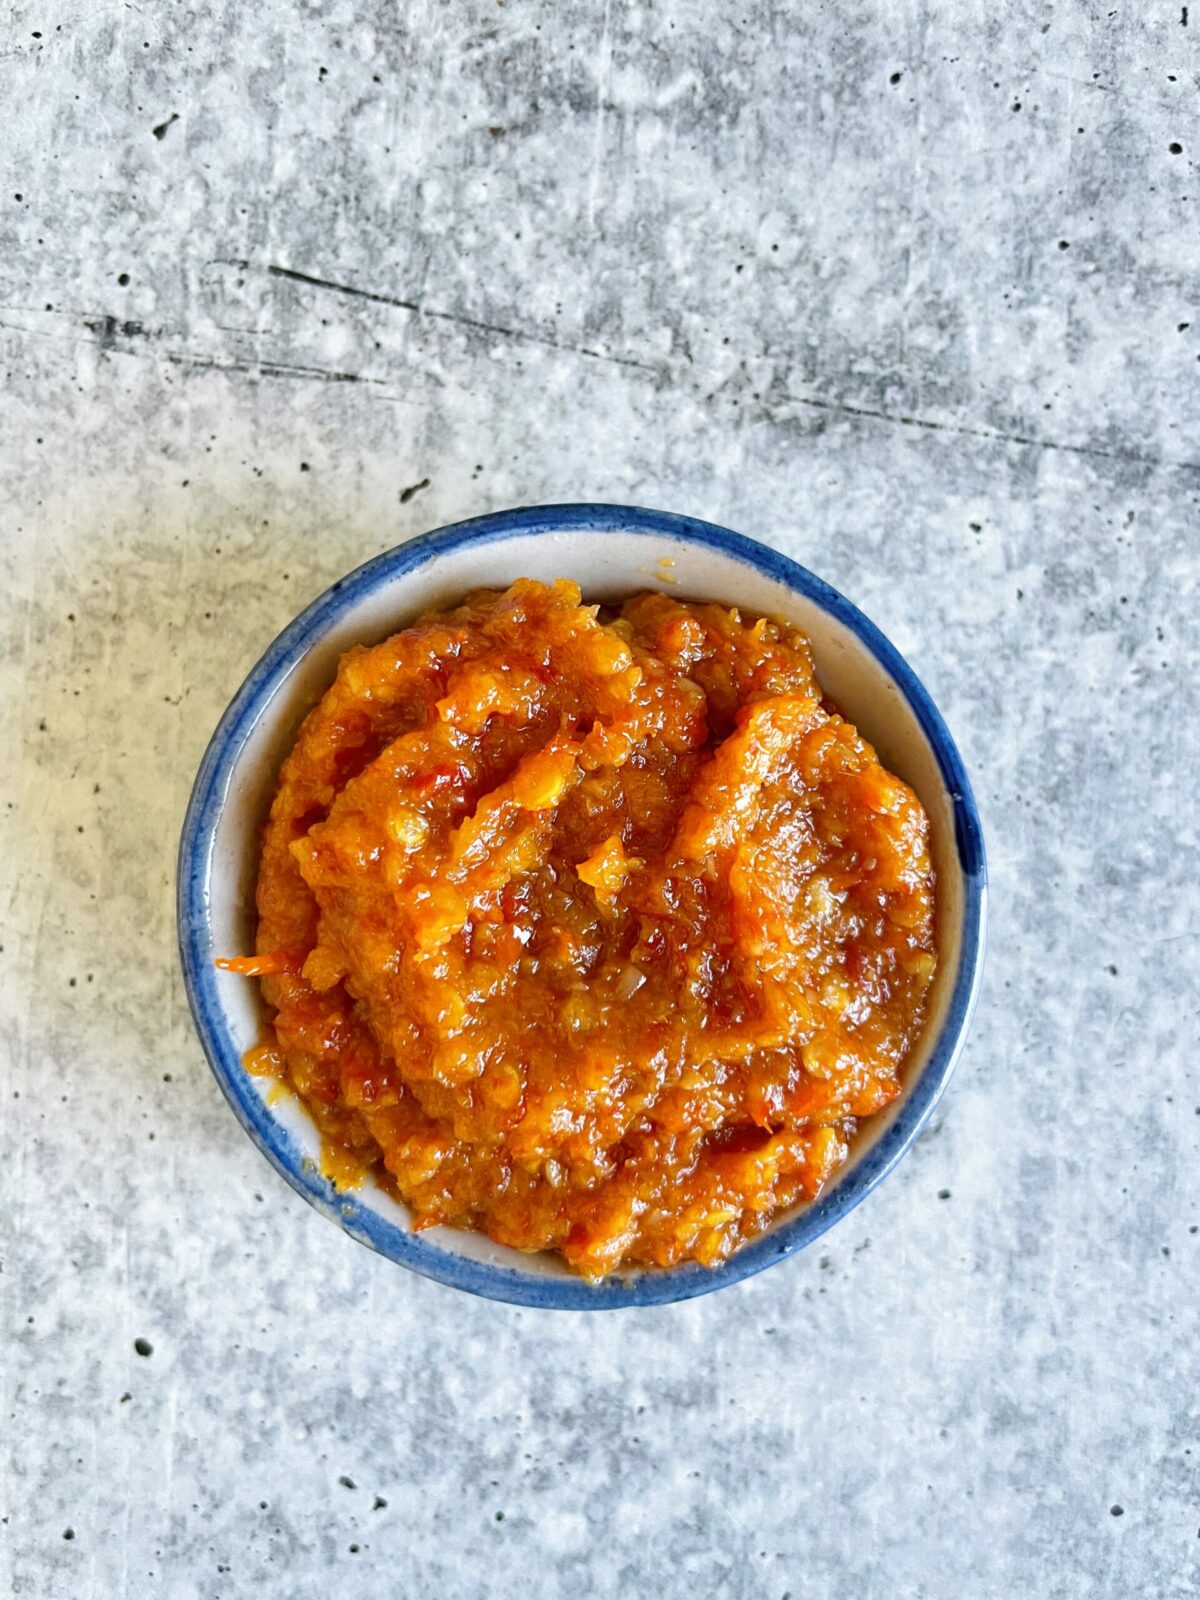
(907, 290)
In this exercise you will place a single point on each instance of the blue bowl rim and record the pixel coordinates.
(417, 1251)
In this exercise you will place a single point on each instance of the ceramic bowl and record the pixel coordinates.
(609, 551)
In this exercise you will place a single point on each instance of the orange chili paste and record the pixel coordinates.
(597, 929)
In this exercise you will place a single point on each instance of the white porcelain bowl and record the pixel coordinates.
(610, 551)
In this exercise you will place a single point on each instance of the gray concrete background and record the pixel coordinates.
(907, 290)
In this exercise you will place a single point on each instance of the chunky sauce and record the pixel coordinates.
(600, 931)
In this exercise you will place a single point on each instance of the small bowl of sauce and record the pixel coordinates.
(583, 906)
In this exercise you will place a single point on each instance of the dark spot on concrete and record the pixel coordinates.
(499, 1516)
(143, 1347)
(1175, 148)
(125, 1398)
(42, 725)
(1111, 970)
(1064, 244)
(1116, 1511)
(1016, 105)
(347, 1483)
(68, 1533)
(975, 527)
(413, 488)
(160, 129)
(106, 328)
(304, 466)
(943, 1194)
(123, 279)
(353, 1549)
(381, 1503)
(895, 78)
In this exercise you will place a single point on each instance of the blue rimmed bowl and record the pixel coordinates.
(609, 551)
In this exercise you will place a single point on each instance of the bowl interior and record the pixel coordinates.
(234, 791)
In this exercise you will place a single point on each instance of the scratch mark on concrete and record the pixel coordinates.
(266, 369)
(335, 288)
(995, 435)
(499, 329)
(108, 329)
